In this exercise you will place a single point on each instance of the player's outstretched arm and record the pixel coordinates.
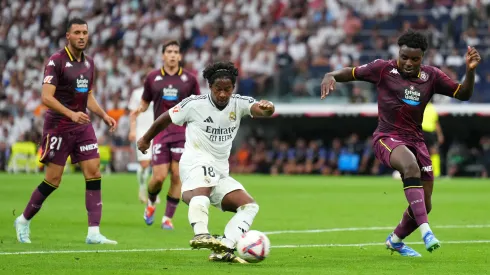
(472, 60)
(48, 99)
(158, 125)
(94, 107)
(263, 108)
(329, 80)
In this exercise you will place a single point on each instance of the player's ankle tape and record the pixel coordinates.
(171, 199)
(92, 184)
(46, 188)
(412, 183)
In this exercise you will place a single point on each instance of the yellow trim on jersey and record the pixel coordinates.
(386, 146)
(353, 74)
(89, 92)
(178, 73)
(69, 53)
(46, 147)
(457, 90)
(419, 73)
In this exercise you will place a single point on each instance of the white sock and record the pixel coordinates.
(395, 238)
(23, 219)
(240, 223)
(93, 230)
(146, 174)
(139, 176)
(424, 228)
(198, 214)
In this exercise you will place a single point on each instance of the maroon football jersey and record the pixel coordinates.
(73, 81)
(402, 101)
(166, 91)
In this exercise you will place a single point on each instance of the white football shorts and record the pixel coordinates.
(208, 174)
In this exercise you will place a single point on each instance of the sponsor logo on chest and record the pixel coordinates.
(81, 84)
(170, 93)
(411, 96)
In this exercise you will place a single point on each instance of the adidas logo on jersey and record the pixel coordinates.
(68, 64)
(209, 120)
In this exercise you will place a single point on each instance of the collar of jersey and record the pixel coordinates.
(214, 105)
(178, 73)
(71, 55)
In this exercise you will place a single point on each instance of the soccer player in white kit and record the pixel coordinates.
(212, 124)
(139, 125)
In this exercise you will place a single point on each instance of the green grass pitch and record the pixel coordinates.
(353, 216)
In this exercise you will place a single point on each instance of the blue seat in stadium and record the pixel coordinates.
(349, 162)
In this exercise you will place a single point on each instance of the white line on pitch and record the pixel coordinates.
(376, 228)
(188, 249)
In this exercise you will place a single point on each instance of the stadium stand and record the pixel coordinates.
(282, 47)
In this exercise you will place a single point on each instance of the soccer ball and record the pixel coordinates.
(253, 246)
(396, 175)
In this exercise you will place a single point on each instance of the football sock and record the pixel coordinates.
(40, 194)
(152, 195)
(93, 201)
(171, 206)
(146, 174)
(415, 197)
(436, 164)
(406, 226)
(239, 224)
(139, 176)
(198, 214)
(424, 228)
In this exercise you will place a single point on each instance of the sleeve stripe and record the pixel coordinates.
(353, 73)
(457, 89)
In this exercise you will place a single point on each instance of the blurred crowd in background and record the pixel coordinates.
(282, 48)
(349, 156)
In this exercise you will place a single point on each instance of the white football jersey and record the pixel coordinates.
(210, 132)
(145, 119)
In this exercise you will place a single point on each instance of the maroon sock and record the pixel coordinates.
(40, 194)
(406, 226)
(171, 206)
(153, 194)
(93, 201)
(414, 192)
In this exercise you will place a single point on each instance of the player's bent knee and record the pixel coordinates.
(411, 170)
(159, 177)
(53, 179)
(144, 164)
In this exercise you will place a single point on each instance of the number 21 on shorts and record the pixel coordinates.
(55, 143)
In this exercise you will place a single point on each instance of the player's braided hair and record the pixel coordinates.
(220, 70)
(413, 39)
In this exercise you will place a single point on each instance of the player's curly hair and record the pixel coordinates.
(413, 39)
(220, 70)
